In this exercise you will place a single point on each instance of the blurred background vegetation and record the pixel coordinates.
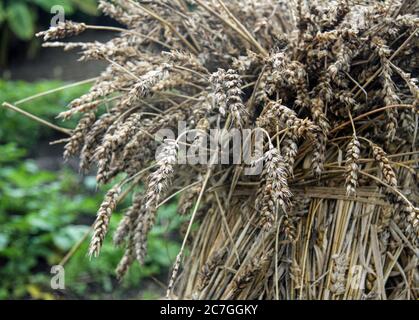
(46, 207)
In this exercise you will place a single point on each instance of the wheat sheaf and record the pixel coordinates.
(333, 214)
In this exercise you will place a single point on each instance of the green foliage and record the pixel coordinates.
(44, 214)
(36, 210)
(2, 12)
(99, 271)
(25, 132)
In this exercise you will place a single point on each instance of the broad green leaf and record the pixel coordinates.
(21, 20)
(87, 6)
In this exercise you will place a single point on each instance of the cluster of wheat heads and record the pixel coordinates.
(333, 213)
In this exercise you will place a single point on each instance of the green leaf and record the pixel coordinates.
(2, 12)
(10, 153)
(4, 240)
(21, 20)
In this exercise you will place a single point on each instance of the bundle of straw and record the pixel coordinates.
(330, 84)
